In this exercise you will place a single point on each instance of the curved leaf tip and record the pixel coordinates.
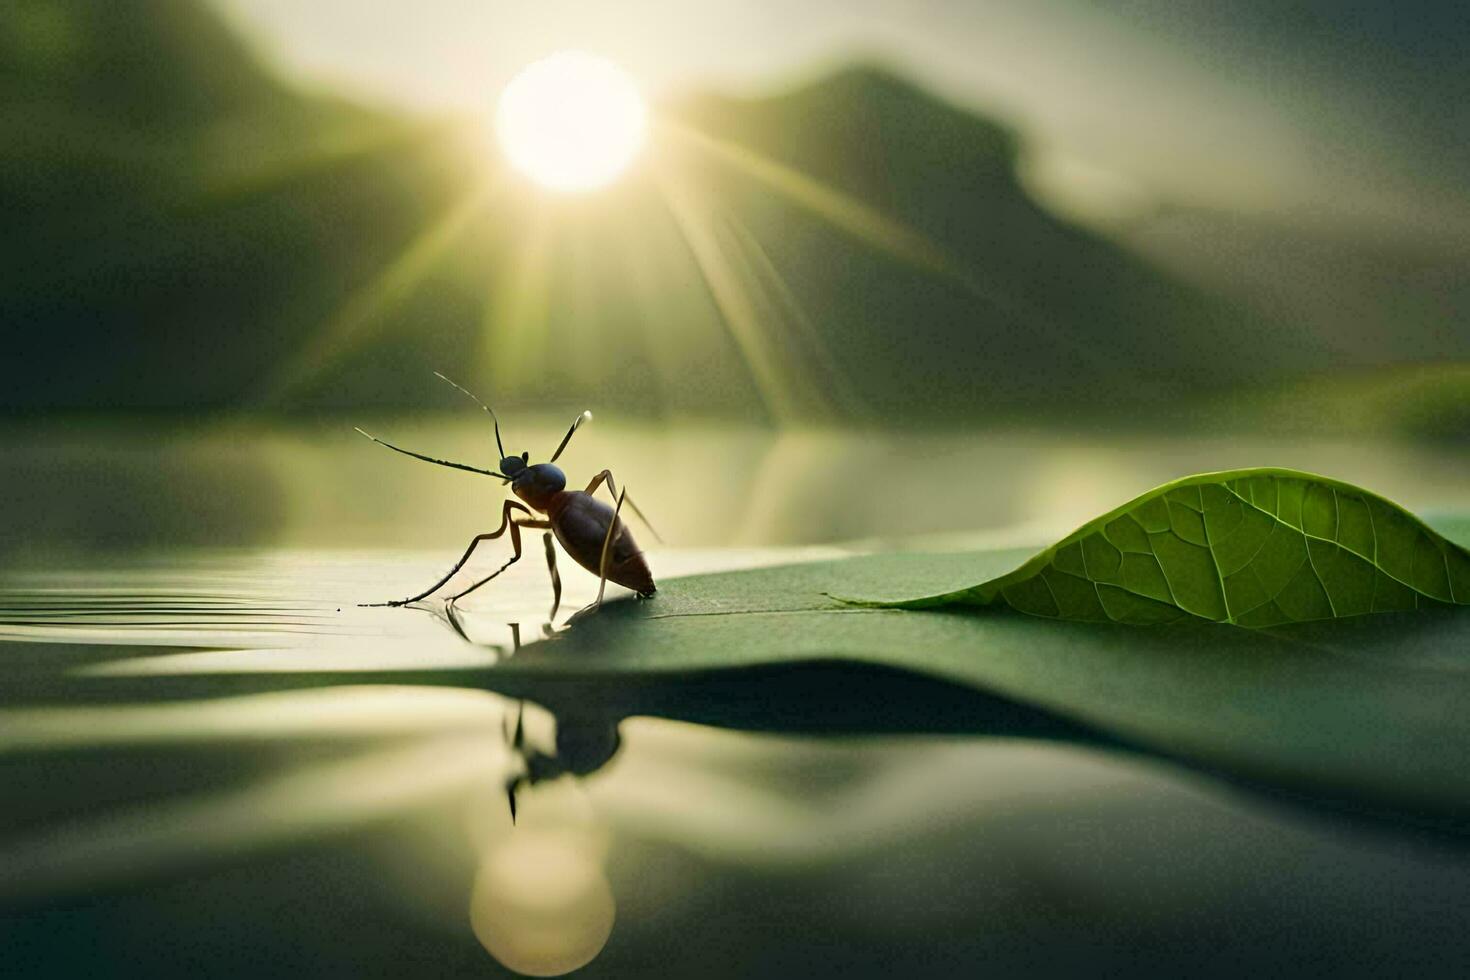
(1256, 548)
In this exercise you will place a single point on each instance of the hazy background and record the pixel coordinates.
(891, 273)
(888, 213)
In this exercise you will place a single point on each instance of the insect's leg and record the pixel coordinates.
(515, 543)
(555, 576)
(474, 543)
(606, 477)
(607, 549)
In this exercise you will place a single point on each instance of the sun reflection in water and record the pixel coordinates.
(541, 904)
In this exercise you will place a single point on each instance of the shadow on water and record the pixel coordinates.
(859, 699)
(191, 654)
(817, 697)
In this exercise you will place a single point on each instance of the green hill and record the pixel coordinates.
(178, 220)
(191, 233)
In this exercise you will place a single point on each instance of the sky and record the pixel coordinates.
(1330, 110)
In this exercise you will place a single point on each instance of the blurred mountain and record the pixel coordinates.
(1374, 297)
(1031, 313)
(177, 220)
(191, 232)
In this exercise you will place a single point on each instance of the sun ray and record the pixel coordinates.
(585, 363)
(734, 304)
(517, 304)
(649, 292)
(867, 224)
(802, 365)
(796, 316)
(229, 181)
(362, 314)
(841, 210)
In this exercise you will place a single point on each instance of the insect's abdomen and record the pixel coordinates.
(580, 523)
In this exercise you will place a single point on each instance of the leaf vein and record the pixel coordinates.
(1336, 544)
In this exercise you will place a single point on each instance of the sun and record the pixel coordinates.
(571, 121)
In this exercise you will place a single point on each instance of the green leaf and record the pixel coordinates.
(1259, 547)
(1365, 714)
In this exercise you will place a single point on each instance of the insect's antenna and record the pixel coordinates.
(493, 418)
(584, 417)
(431, 459)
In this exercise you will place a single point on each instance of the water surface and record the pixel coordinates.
(214, 762)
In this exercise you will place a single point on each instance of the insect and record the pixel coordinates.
(589, 529)
(585, 742)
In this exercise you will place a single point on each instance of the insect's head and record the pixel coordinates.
(512, 466)
(535, 484)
